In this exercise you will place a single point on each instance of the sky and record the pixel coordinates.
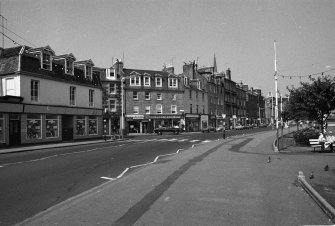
(150, 33)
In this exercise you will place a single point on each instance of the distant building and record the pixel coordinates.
(230, 100)
(152, 98)
(111, 98)
(47, 98)
(195, 99)
(241, 104)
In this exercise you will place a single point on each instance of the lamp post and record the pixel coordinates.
(122, 108)
(276, 90)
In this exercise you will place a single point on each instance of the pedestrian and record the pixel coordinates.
(322, 141)
(224, 133)
(330, 139)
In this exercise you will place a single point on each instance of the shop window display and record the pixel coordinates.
(92, 125)
(80, 125)
(34, 128)
(52, 126)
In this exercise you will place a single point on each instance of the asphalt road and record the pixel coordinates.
(31, 182)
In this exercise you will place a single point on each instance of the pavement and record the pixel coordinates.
(225, 182)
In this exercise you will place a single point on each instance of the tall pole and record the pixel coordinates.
(122, 108)
(276, 90)
(3, 29)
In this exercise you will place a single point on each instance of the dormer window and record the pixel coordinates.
(86, 66)
(67, 61)
(45, 54)
(88, 71)
(173, 83)
(69, 67)
(135, 81)
(46, 61)
(146, 81)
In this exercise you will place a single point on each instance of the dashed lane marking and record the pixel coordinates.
(193, 141)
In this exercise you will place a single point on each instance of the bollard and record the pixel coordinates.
(224, 134)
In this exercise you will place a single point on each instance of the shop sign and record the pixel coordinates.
(192, 116)
(219, 117)
(135, 116)
(213, 116)
(163, 116)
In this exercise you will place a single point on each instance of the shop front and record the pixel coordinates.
(192, 123)
(212, 120)
(219, 120)
(166, 120)
(134, 123)
(204, 121)
(147, 123)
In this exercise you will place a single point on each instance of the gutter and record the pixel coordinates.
(324, 205)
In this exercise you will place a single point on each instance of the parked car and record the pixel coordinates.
(161, 130)
(219, 129)
(209, 129)
(239, 127)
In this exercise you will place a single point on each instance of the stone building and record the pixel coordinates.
(195, 99)
(47, 98)
(152, 99)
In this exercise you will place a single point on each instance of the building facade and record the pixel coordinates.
(196, 112)
(152, 99)
(47, 98)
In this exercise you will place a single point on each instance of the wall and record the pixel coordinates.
(58, 93)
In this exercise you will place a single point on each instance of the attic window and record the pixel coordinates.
(173, 82)
(88, 71)
(69, 67)
(46, 61)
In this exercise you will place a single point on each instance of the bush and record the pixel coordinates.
(303, 136)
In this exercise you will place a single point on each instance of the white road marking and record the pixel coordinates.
(49, 157)
(206, 141)
(192, 141)
(108, 178)
(149, 163)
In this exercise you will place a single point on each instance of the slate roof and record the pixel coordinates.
(128, 71)
(30, 65)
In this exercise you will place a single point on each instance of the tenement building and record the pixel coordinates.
(195, 109)
(151, 99)
(47, 98)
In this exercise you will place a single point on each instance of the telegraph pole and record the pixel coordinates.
(276, 90)
(3, 27)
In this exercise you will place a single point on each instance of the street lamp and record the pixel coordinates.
(276, 90)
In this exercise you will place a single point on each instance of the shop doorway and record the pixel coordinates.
(134, 127)
(67, 127)
(14, 130)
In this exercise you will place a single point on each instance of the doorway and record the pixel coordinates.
(67, 127)
(14, 130)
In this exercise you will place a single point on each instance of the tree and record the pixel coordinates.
(313, 101)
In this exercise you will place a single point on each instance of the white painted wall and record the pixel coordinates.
(58, 93)
(16, 85)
